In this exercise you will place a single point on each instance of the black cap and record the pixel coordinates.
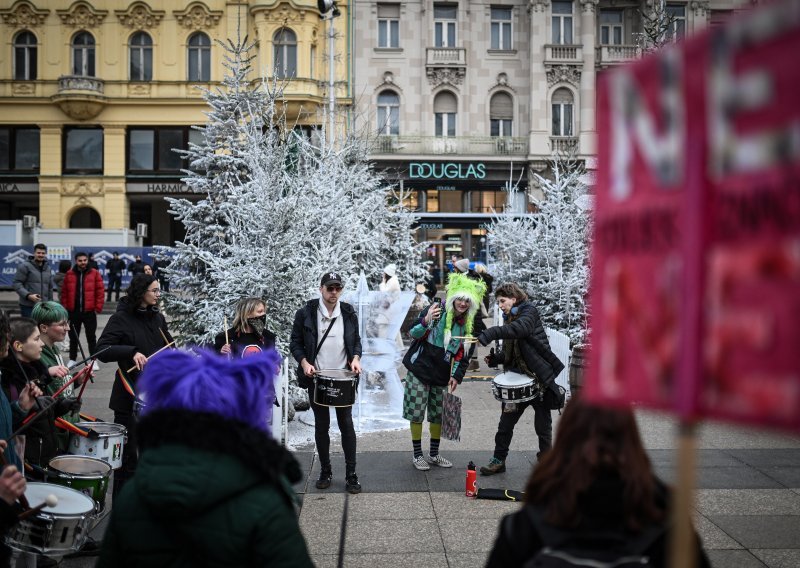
(331, 278)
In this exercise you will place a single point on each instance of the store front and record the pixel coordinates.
(18, 198)
(148, 205)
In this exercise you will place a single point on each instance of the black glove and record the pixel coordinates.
(43, 402)
(67, 404)
(483, 338)
(492, 359)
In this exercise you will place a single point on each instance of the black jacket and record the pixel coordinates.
(129, 330)
(115, 266)
(303, 343)
(528, 330)
(519, 540)
(240, 342)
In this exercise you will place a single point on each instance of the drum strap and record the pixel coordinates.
(321, 341)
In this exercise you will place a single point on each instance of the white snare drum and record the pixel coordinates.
(105, 441)
(53, 531)
(335, 387)
(515, 387)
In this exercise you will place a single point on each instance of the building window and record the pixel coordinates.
(487, 201)
(445, 107)
(83, 150)
(501, 114)
(19, 149)
(444, 25)
(611, 27)
(141, 57)
(677, 22)
(562, 112)
(562, 22)
(285, 52)
(199, 58)
(152, 149)
(25, 56)
(83, 55)
(313, 57)
(501, 28)
(388, 25)
(388, 113)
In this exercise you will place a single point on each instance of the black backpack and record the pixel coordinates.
(601, 549)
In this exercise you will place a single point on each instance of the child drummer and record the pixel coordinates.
(526, 350)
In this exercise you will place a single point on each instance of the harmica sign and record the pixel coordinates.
(448, 170)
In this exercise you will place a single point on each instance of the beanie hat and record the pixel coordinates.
(461, 286)
(390, 270)
(462, 265)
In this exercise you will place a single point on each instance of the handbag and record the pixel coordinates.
(427, 362)
(451, 417)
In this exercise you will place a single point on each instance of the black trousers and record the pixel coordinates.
(76, 320)
(114, 283)
(542, 423)
(322, 425)
(130, 454)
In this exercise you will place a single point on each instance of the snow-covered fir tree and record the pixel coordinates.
(277, 210)
(547, 253)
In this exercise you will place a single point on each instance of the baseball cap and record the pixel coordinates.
(331, 278)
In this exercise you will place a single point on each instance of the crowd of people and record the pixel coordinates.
(593, 491)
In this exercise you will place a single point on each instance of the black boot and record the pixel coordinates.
(351, 484)
(325, 476)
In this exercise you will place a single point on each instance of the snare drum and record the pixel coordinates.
(53, 531)
(515, 387)
(335, 387)
(88, 475)
(105, 441)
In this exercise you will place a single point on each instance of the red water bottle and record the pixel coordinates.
(472, 488)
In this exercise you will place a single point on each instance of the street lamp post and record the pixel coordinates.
(329, 7)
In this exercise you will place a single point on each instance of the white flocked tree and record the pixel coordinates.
(276, 210)
(548, 253)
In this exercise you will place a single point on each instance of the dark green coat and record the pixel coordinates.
(207, 492)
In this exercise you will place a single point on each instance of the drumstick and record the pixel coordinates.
(161, 331)
(50, 501)
(153, 355)
(226, 330)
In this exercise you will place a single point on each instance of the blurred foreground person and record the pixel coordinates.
(211, 487)
(592, 498)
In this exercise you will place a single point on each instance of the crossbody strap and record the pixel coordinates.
(325, 335)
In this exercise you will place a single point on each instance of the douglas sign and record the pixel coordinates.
(450, 170)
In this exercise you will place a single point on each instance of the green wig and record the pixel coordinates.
(48, 313)
(461, 286)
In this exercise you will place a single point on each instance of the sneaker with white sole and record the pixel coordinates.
(420, 463)
(439, 460)
(71, 363)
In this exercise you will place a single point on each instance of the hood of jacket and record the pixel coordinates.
(191, 462)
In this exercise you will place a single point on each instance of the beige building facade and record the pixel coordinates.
(94, 96)
(466, 96)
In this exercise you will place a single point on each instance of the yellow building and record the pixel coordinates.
(95, 95)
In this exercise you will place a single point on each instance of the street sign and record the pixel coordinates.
(696, 253)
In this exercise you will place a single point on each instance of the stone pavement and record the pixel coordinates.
(747, 505)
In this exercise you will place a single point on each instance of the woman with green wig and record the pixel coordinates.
(440, 363)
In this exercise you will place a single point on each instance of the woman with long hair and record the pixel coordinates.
(595, 491)
(248, 334)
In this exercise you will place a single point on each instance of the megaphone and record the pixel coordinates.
(325, 6)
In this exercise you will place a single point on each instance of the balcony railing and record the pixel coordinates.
(614, 54)
(68, 83)
(558, 53)
(446, 57)
(564, 144)
(464, 145)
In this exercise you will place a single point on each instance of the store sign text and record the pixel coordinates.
(449, 170)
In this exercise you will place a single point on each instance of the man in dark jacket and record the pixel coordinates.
(114, 268)
(325, 336)
(136, 267)
(83, 295)
(526, 351)
(34, 281)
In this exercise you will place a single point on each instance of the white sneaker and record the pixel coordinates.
(421, 464)
(439, 460)
(95, 366)
(71, 363)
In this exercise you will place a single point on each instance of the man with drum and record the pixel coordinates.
(325, 336)
(526, 351)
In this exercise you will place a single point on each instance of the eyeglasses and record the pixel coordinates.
(333, 288)
(156, 291)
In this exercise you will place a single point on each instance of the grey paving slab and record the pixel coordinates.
(788, 476)
(778, 558)
(473, 535)
(733, 559)
(747, 502)
(373, 536)
(364, 506)
(761, 531)
(378, 472)
(306, 461)
(766, 457)
(467, 559)
(734, 478)
(429, 560)
(459, 506)
(712, 536)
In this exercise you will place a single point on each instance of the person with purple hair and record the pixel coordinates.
(212, 487)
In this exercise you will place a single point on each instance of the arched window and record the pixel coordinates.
(562, 112)
(285, 52)
(388, 113)
(25, 56)
(141, 57)
(199, 58)
(501, 115)
(445, 107)
(83, 55)
(85, 218)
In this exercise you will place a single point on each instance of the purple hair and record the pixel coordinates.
(236, 389)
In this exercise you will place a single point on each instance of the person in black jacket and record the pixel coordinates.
(249, 334)
(594, 496)
(525, 351)
(341, 349)
(114, 268)
(135, 332)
